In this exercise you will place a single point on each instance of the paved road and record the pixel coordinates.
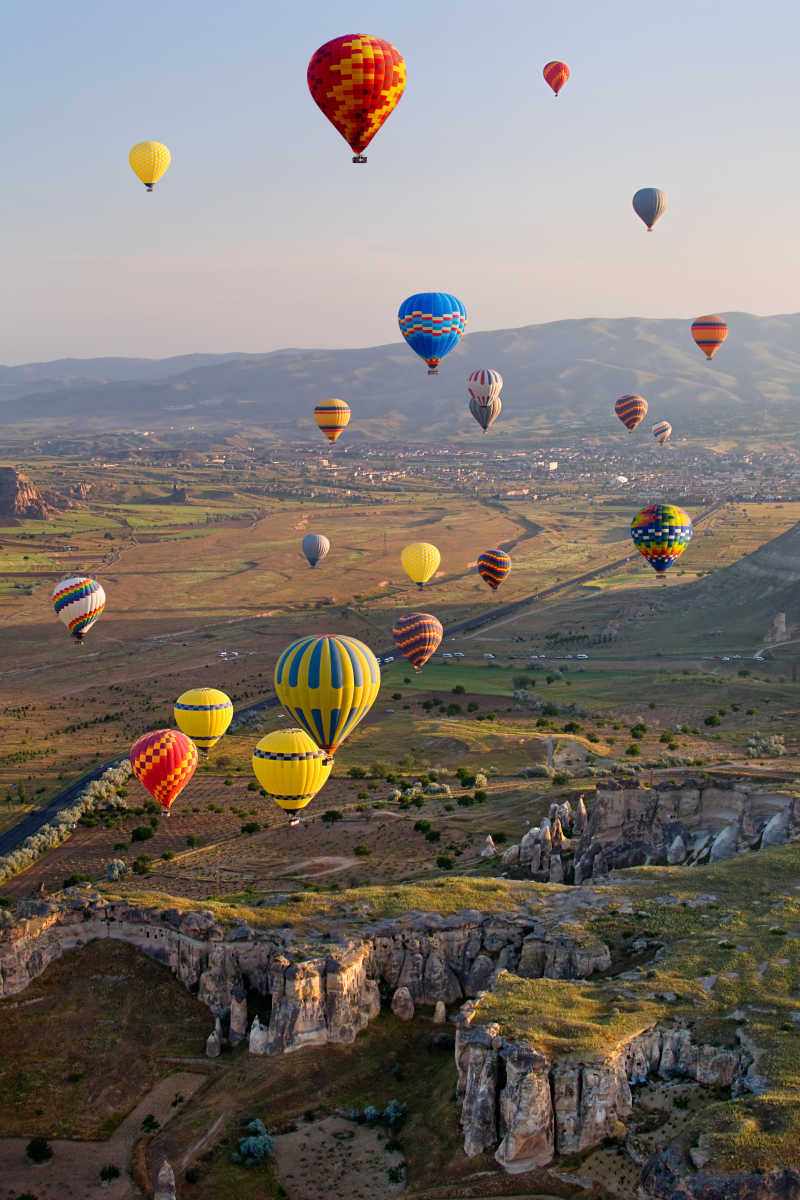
(33, 822)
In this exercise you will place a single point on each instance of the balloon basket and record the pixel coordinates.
(149, 187)
(359, 158)
(432, 371)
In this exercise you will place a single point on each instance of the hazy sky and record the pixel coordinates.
(263, 234)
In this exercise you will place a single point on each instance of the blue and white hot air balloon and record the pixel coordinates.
(432, 323)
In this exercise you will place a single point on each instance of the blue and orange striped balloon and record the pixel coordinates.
(493, 566)
(709, 333)
(417, 636)
(661, 533)
(432, 323)
(328, 684)
(631, 410)
(78, 602)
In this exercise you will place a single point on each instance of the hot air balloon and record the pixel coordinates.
(484, 392)
(327, 684)
(661, 532)
(493, 566)
(333, 417)
(357, 81)
(650, 204)
(631, 410)
(662, 430)
(417, 636)
(432, 323)
(709, 333)
(315, 547)
(420, 561)
(290, 768)
(149, 161)
(164, 761)
(78, 602)
(203, 714)
(556, 75)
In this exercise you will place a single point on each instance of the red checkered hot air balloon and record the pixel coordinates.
(417, 636)
(709, 333)
(493, 566)
(357, 81)
(631, 410)
(556, 75)
(164, 761)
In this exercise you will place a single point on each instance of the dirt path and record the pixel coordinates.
(74, 1169)
(322, 866)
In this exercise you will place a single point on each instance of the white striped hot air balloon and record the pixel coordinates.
(78, 602)
(662, 431)
(484, 395)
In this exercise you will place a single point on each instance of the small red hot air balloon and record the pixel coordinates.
(631, 410)
(709, 333)
(556, 75)
(164, 761)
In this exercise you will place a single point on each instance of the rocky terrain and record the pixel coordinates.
(19, 497)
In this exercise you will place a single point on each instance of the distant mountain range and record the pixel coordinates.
(560, 378)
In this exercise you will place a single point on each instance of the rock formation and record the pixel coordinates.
(402, 1004)
(19, 497)
(666, 1176)
(165, 1183)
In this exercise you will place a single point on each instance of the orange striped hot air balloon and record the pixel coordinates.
(493, 566)
(709, 333)
(631, 410)
(164, 762)
(417, 636)
(333, 417)
(556, 75)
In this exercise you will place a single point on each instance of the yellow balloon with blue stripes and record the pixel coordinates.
(328, 684)
(291, 768)
(203, 714)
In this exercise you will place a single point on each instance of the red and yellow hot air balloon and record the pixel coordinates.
(493, 566)
(556, 75)
(357, 82)
(164, 761)
(333, 417)
(709, 333)
(631, 410)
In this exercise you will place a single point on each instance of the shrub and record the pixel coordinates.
(713, 719)
(39, 1150)
(472, 706)
(150, 1124)
(360, 772)
(168, 855)
(191, 1175)
(760, 746)
(141, 864)
(331, 816)
(453, 710)
(394, 1114)
(499, 838)
(559, 779)
(361, 851)
(251, 787)
(141, 833)
(444, 862)
(192, 841)
(573, 727)
(421, 826)
(633, 751)
(75, 879)
(433, 835)
(109, 1172)
(371, 1115)
(395, 1174)
(251, 827)
(480, 796)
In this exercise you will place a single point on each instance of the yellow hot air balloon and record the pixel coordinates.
(420, 561)
(327, 684)
(291, 768)
(149, 161)
(203, 714)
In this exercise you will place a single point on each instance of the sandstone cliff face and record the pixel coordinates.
(18, 496)
(513, 1099)
(666, 1177)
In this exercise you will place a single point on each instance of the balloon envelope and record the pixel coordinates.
(650, 204)
(315, 547)
(662, 430)
(290, 767)
(709, 333)
(164, 761)
(78, 602)
(149, 161)
(420, 561)
(333, 417)
(486, 413)
(631, 410)
(493, 566)
(661, 533)
(432, 323)
(204, 715)
(357, 81)
(328, 684)
(417, 636)
(556, 75)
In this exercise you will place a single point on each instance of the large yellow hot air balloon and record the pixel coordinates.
(149, 160)
(203, 714)
(333, 417)
(420, 562)
(291, 768)
(327, 684)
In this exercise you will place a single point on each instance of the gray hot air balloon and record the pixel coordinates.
(650, 204)
(484, 414)
(315, 547)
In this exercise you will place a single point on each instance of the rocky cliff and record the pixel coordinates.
(19, 497)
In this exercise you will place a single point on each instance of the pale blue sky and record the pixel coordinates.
(263, 234)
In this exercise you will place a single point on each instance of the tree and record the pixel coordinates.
(39, 1150)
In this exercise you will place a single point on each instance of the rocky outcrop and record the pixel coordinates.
(165, 1182)
(529, 1109)
(403, 1005)
(692, 822)
(667, 1176)
(19, 497)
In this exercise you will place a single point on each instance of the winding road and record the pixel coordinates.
(33, 821)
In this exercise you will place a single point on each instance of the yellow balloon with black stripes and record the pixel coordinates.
(420, 562)
(328, 684)
(204, 715)
(290, 768)
(149, 161)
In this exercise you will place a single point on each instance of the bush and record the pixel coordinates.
(759, 746)
(421, 826)
(371, 1115)
(394, 1114)
(559, 779)
(395, 1174)
(361, 851)
(634, 750)
(75, 879)
(150, 1124)
(141, 864)
(141, 833)
(444, 862)
(713, 719)
(472, 706)
(251, 827)
(433, 835)
(480, 796)
(331, 816)
(499, 838)
(109, 1172)
(359, 772)
(453, 710)
(168, 855)
(592, 737)
(193, 841)
(573, 727)
(191, 1175)
(39, 1150)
